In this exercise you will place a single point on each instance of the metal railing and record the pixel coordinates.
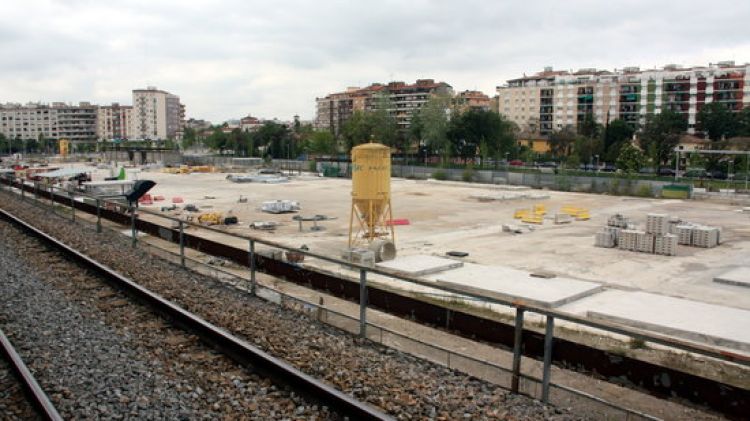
(519, 306)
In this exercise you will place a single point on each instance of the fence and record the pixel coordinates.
(730, 399)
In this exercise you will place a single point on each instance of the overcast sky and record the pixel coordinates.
(227, 59)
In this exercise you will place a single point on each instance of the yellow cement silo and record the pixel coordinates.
(371, 195)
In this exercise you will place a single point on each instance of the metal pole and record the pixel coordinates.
(677, 166)
(363, 303)
(517, 338)
(251, 256)
(182, 244)
(72, 206)
(98, 216)
(548, 335)
(132, 224)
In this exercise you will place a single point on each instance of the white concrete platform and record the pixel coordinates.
(421, 264)
(513, 284)
(696, 321)
(738, 276)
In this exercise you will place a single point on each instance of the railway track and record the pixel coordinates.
(81, 273)
(402, 386)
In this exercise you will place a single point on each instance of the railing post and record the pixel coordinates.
(72, 206)
(517, 338)
(182, 244)
(98, 216)
(251, 256)
(549, 333)
(363, 303)
(132, 224)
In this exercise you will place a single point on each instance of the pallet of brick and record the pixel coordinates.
(615, 231)
(705, 237)
(657, 223)
(627, 240)
(618, 220)
(645, 242)
(666, 245)
(684, 234)
(604, 239)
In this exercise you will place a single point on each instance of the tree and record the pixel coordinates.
(275, 139)
(217, 140)
(383, 124)
(742, 122)
(481, 131)
(588, 127)
(616, 134)
(356, 130)
(189, 138)
(321, 142)
(661, 135)
(561, 142)
(717, 121)
(431, 125)
(631, 159)
(586, 147)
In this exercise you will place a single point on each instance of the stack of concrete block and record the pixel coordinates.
(684, 234)
(706, 237)
(615, 231)
(666, 245)
(605, 239)
(618, 220)
(657, 223)
(645, 242)
(628, 240)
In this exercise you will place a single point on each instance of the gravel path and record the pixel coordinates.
(402, 385)
(97, 355)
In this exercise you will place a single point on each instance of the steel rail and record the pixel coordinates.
(34, 392)
(239, 350)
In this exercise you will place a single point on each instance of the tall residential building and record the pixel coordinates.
(472, 100)
(403, 100)
(76, 123)
(552, 100)
(114, 122)
(157, 115)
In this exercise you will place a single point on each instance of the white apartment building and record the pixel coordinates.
(114, 122)
(156, 115)
(552, 100)
(76, 123)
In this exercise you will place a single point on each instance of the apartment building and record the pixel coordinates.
(472, 100)
(76, 123)
(401, 99)
(114, 122)
(156, 115)
(552, 100)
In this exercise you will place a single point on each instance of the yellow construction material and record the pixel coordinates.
(210, 218)
(170, 170)
(540, 209)
(371, 194)
(533, 219)
(64, 147)
(520, 213)
(580, 214)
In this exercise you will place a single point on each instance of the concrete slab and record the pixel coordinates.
(421, 265)
(696, 321)
(506, 283)
(738, 276)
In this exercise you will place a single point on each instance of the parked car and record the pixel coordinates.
(666, 172)
(696, 173)
(608, 168)
(517, 163)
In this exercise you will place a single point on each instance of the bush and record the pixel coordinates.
(440, 175)
(312, 166)
(469, 174)
(644, 190)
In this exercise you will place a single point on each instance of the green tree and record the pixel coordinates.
(474, 130)
(616, 134)
(217, 140)
(586, 147)
(275, 139)
(356, 130)
(661, 135)
(321, 142)
(430, 125)
(189, 138)
(631, 159)
(561, 142)
(717, 121)
(742, 122)
(383, 124)
(588, 127)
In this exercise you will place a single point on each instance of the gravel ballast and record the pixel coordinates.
(402, 385)
(98, 355)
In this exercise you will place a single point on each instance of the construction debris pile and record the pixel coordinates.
(662, 235)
